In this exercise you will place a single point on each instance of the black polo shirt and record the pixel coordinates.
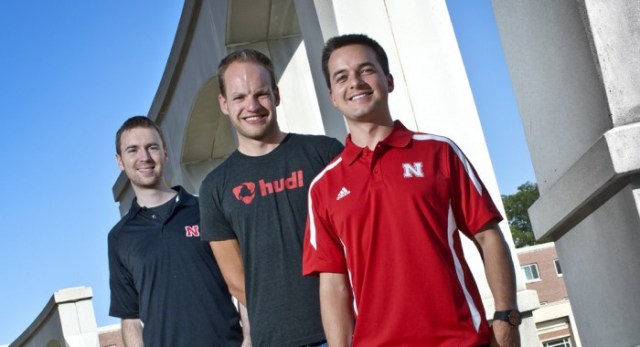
(162, 273)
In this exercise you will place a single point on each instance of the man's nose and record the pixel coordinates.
(253, 104)
(356, 81)
(145, 155)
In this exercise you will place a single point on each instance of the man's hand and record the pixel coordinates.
(504, 335)
(246, 327)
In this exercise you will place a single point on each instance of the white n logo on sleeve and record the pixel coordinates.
(413, 170)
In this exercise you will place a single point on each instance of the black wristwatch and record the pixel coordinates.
(510, 316)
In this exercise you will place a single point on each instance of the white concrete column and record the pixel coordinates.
(317, 24)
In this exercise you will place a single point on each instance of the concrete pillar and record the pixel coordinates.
(574, 67)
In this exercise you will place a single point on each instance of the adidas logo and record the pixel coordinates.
(343, 192)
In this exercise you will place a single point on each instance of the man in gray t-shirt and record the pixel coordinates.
(254, 207)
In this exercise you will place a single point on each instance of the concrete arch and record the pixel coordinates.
(272, 28)
(250, 21)
(208, 139)
(66, 320)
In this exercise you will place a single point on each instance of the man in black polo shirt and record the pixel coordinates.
(162, 277)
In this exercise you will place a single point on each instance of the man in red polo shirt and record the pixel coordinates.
(385, 219)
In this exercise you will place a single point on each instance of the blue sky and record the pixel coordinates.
(72, 71)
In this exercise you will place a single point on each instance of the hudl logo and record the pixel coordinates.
(246, 191)
(413, 170)
(191, 231)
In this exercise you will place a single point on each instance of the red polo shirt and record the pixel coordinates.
(391, 218)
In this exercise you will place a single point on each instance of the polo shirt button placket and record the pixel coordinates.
(375, 163)
(366, 158)
(376, 175)
(376, 172)
(164, 231)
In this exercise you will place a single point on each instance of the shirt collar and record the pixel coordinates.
(182, 198)
(400, 136)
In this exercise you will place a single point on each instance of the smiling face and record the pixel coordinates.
(250, 102)
(142, 157)
(358, 86)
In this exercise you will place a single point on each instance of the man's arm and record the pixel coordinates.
(244, 320)
(132, 332)
(229, 259)
(336, 309)
(501, 278)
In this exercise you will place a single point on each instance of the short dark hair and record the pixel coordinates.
(137, 122)
(246, 55)
(352, 39)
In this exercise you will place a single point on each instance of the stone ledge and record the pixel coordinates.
(607, 167)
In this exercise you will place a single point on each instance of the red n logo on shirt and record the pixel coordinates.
(413, 170)
(191, 231)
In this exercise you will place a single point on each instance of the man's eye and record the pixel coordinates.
(341, 78)
(366, 70)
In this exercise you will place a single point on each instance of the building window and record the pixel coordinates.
(564, 342)
(558, 268)
(531, 272)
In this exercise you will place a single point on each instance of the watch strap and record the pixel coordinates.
(510, 316)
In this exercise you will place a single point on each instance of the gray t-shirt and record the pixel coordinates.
(262, 202)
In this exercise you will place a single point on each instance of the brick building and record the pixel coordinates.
(542, 272)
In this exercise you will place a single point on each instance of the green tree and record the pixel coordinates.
(516, 206)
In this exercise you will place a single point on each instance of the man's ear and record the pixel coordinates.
(119, 162)
(276, 94)
(390, 84)
(222, 102)
(333, 101)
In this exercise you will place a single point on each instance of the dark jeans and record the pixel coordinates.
(317, 344)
